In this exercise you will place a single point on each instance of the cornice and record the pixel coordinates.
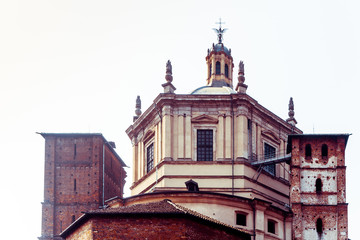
(242, 104)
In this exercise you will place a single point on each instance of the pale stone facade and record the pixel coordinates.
(225, 158)
(167, 152)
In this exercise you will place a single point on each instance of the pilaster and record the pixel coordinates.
(220, 138)
(228, 137)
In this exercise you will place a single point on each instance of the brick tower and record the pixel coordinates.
(81, 172)
(317, 191)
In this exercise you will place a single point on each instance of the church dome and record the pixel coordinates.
(219, 47)
(210, 90)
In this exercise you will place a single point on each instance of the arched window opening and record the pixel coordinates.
(324, 151)
(210, 70)
(308, 151)
(318, 185)
(319, 226)
(217, 68)
(226, 70)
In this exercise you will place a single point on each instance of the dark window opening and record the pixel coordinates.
(253, 156)
(308, 151)
(210, 70)
(73, 218)
(74, 184)
(226, 70)
(271, 226)
(150, 157)
(217, 68)
(204, 145)
(241, 219)
(192, 186)
(318, 185)
(324, 151)
(319, 226)
(269, 152)
(74, 150)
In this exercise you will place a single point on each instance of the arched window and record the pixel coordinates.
(210, 70)
(308, 151)
(217, 68)
(319, 226)
(318, 185)
(226, 70)
(324, 151)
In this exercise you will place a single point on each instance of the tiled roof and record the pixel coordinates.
(165, 206)
(153, 208)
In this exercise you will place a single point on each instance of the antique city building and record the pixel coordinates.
(318, 190)
(219, 156)
(81, 171)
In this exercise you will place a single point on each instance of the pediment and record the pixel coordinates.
(204, 119)
(148, 135)
(270, 135)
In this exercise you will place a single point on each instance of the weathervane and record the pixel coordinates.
(220, 31)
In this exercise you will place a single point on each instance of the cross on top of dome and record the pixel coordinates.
(220, 31)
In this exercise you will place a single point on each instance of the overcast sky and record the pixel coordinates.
(77, 66)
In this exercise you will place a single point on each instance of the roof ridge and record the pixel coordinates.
(204, 217)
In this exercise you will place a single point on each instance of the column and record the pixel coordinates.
(166, 131)
(220, 139)
(135, 159)
(188, 142)
(174, 137)
(181, 133)
(259, 223)
(228, 137)
(259, 145)
(243, 136)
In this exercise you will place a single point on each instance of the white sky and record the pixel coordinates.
(77, 66)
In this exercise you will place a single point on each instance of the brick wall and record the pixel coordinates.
(74, 179)
(328, 201)
(150, 227)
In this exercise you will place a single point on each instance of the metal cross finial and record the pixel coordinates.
(220, 31)
(220, 23)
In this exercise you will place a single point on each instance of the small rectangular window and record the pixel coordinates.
(271, 226)
(204, 145)
(241, 219)
(269, 152)
(150, 157)
(75, 151)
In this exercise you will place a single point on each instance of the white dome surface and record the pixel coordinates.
(209, 90)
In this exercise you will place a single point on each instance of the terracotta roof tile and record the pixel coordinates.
(152, 207)
(162, 207)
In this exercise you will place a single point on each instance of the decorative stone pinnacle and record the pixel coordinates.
(137, 108)
(291, 108)
(241, 87)
(168, 87)
(168, 75)
(291, 113)
(241, 74)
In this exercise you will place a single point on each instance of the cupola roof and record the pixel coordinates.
(220, 47)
